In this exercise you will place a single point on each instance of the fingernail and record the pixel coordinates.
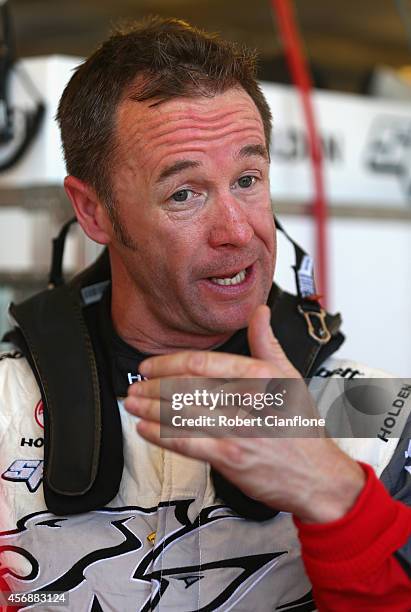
(141, 427)
(128, 404)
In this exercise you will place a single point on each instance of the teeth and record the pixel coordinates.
(235, 280)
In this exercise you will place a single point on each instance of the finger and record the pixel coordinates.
(167, 387)
(264, 345)
(156, 410)
(161, 388)
(145, 388)
(161, 412)
(204, 364)
(143, 407)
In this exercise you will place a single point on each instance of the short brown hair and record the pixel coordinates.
(174, 59)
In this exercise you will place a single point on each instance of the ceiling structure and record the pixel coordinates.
(344, 40)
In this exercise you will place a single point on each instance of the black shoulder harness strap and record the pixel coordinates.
(83, 451)
(83, 439)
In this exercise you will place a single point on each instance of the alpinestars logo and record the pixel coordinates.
(389, 149)
(206, 564)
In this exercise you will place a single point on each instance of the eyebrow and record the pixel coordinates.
(175, 168)
(183, 164)
(254, 150)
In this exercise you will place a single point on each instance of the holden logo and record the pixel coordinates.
(38, 414)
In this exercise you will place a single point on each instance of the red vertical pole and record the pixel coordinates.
(301, 77)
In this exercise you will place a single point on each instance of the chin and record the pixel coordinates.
(229, 321)
(218, 313)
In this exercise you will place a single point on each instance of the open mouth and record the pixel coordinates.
(231, 280)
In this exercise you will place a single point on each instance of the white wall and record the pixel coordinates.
(370, 285)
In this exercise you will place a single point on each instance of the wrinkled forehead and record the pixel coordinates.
(182, 118)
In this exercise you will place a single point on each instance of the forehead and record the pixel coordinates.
(182, 124)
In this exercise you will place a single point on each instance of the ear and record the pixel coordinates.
(90, 211)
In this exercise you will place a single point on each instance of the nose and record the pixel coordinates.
(230, 224)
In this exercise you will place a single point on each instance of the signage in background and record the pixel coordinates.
(366, 145)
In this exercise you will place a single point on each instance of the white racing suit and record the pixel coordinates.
(164, 542)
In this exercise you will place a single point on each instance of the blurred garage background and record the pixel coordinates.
(359, 58)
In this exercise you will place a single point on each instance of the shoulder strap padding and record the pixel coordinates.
(83, 442)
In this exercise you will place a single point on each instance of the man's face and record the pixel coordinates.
(191, 189)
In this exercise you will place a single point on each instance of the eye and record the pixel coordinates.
(182, 195)
(246, 181)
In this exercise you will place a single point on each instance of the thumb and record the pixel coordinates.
(263, 344)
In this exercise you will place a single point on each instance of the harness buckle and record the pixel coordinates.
(317, 327)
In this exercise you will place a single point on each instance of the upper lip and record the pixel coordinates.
(230, 272)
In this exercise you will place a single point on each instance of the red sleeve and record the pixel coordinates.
(351, 562)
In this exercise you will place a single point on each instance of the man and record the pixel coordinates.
(166, 137)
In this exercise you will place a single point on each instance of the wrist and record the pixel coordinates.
(334, 494)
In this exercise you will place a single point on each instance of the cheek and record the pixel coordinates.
(265, 229)
(184, 238)
(178, 250)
